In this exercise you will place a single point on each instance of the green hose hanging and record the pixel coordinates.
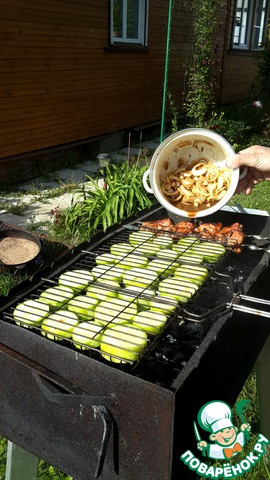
(163, 115)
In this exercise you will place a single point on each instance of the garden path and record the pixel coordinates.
(41, 199)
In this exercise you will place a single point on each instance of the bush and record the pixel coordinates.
(236, 132)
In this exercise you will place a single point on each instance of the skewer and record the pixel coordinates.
(255, 247)
(258, 237)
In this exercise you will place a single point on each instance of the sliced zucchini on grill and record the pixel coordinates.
(121, 248)
(59, 325)
(140, 277)
(211, 252)
(163, 267)
(173, 287)
(123, 343)
(115, 311)
(106, 258)
(108, 272)
(30, 313)
(87, 335)
(188, 241)
(148, 249)
(103, 289)
(83, 306)
(132, 260)
(141, 236)
(150, 321)
(164, 241)
(179, 248)
(167, 253)
(163, 304)
(192, 256)
(193, 273)
(76, 279)
(56, 296)
(142, 296)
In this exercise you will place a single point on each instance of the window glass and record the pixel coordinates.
(117, 18)
(132, 18)
(260, 24)
(241, 23)
(250, 23)
(128, 21)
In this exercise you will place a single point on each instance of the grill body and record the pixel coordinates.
(92, 420)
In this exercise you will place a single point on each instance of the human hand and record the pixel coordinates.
(257, 159)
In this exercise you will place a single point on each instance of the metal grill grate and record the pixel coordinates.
(117, 301)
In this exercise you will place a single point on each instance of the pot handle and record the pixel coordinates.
(145, 183)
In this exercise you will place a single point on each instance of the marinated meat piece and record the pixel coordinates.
(163, 224)
(184, 228)
(209, 230)
(230, 235)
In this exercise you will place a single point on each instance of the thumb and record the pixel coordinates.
(240, 160)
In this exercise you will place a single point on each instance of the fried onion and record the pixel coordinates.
(197, 184)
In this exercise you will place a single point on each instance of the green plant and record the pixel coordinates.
(262, 86)
(200, 92)
(175, 112)
(14, 208)
(9, 280)
(100, 206)
(235, 131)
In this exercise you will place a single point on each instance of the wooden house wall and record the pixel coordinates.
(59, 82)
(239, 68)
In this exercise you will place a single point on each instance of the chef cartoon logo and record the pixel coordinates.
(224, 441)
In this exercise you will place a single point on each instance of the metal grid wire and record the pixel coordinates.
(111, 323)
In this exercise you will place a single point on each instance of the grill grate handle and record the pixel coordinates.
(251, 310)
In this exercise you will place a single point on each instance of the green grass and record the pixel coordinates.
(45, 471)
(258, 199)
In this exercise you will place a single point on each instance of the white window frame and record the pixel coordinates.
(247, 27)
(142, 25)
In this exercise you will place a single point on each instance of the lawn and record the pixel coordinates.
(258, 199)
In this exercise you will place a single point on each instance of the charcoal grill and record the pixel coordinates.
(93, 418)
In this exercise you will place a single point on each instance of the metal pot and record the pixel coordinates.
(18, 236)
(190, 144)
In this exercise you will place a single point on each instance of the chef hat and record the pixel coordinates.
(215, 416)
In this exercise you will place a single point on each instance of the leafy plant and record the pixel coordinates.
(199, 75)
(235, 131)
(14, 208)
(95, 208)
(263, 63)
(9, 280)
(175, 112)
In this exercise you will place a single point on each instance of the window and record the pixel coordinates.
(250, 24)
(129, 22)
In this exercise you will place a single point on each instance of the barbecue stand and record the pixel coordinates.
(94, 420)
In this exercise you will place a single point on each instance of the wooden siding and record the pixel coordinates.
(239, 68)
(60, 84)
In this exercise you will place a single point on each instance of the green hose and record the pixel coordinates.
(163, 115)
